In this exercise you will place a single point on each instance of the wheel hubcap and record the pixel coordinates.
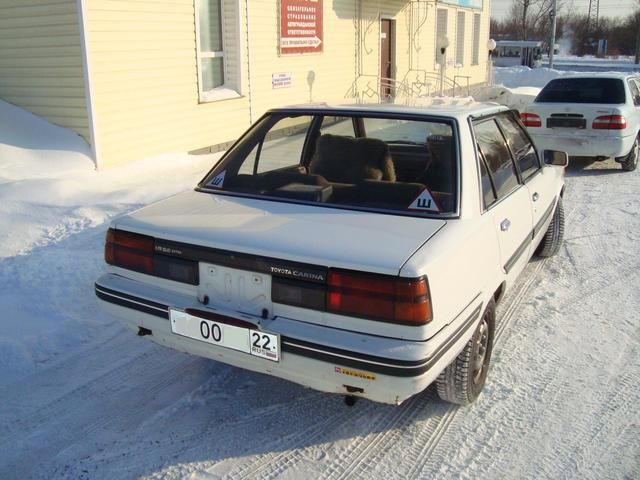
(482, 342)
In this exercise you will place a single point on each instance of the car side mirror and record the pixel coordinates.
(555, 157)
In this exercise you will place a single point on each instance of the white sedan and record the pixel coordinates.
(355, 249)
(594, 115)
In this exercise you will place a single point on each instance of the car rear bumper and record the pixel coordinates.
(380, 369)
(582, 146)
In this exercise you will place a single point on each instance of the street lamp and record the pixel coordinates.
(442, 42)
(491, 46)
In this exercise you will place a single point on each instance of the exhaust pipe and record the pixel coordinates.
(144, 331)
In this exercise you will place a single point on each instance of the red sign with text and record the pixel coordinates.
(300, 26)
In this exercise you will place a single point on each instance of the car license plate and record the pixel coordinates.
(555, 122)
(254, 342)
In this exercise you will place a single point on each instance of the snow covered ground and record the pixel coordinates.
(80, 397)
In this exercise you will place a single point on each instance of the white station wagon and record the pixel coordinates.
(594, 115)
(355, 249)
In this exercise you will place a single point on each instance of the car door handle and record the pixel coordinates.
(535, 197)
(505, 224)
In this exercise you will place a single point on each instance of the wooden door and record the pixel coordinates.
(387, 60)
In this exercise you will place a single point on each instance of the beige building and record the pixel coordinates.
(137, 78)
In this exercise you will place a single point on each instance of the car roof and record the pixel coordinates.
(459, 108)
(618, 75)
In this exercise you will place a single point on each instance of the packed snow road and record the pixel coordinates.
(561, 399)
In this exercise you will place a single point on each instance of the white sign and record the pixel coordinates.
(218, 180)
(425, 202)
(281, 80)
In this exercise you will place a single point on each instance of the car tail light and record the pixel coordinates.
(129, 250)
(383, 297)
(530, 120)
(609, 122)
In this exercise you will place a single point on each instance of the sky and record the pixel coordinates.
(608, 8)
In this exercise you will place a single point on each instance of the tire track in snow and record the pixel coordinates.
(505, 311)
(69, 423)
(429, 438)
(585, 438)
(272, 465)
(368, 449)
(31, 410)
(133, 451)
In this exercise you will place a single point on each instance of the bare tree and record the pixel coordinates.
(533, 17)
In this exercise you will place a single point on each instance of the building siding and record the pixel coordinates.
(316, 76)
(41, 61)
(145, 81)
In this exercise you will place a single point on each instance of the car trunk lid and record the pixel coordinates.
(373, 242)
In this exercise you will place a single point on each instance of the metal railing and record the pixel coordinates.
(415, 84)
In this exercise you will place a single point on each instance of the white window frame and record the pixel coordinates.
(228, 89)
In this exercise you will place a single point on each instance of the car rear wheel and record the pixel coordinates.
(630, 162)
(462, 381)
(552, 240)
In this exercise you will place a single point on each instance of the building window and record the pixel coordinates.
(441, 30)
(216, 52)
(210, 51)
(460, 39)
(476, 39)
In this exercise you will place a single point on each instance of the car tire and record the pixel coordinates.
(463, 379)
(552, 240)
(630, 162)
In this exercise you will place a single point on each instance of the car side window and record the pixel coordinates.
(488, 192)
(280, 147)
(337, 126)
(493, 148)
(635, 91)
(521, 147)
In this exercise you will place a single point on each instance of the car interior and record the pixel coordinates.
(360, 171)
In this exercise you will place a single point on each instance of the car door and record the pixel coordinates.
(534, 176)
(634, 121)
(505, 198)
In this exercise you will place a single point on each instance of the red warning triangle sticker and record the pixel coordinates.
(218, 180)
(425, 202)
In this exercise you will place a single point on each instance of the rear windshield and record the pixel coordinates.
(583, 90)
(350, 161)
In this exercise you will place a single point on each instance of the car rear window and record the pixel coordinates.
(357, 161)
(583, 90)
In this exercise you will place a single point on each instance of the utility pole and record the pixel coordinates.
(593, 20)
(552, 46)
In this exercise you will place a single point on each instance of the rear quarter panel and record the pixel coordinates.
(462, 265)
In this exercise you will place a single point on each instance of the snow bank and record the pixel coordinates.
(48, 182)
(518, 76)
(509, 82)
(54, 209)
(516, 98)
(31, 147)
